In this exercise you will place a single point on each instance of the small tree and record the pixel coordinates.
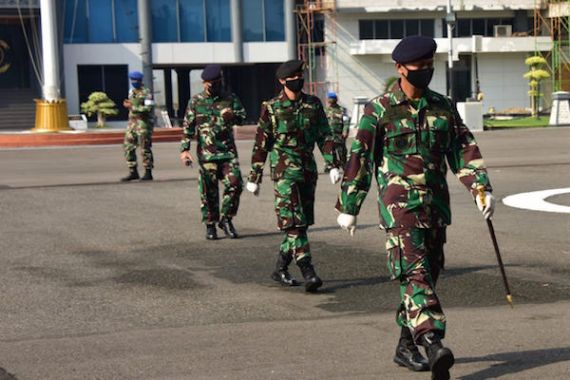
(535, 75)
(100, 104)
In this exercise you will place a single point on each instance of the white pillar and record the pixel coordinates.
(50, 56)
(237, 39)
(290, 28)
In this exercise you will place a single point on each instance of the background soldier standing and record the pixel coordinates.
(406, 136)
(139, 129)
(335, 116)
(288, 128)
(211, 116)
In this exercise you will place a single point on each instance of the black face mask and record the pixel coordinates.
(215, 88)
(295, 85)
(420, 78)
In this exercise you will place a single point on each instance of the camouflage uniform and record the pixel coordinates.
(288, 130)
(335, 115)
(139, 128)
(406, 144)
(217, 153)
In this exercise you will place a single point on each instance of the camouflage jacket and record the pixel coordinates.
(288, 131)
(215, 137)
(408, 148)
(142, 104)
(335, 114)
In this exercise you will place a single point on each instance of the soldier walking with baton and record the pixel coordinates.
(407, 138)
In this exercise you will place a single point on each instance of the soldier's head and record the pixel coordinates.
(136, 78)
(414, 60)
(212, 77)
(331, 98)
(290, 75)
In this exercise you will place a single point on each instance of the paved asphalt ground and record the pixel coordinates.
(103, 280)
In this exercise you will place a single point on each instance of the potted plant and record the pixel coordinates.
(99, 103)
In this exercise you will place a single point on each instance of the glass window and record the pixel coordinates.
(478, 26)
(192, 21)
(464, 27)
(412, 27)
(126, 21)
(396, 29)
(75, 21)
(100, 24)
(427, 28)
(274, 20)
(252, 20)
(366, 29)
(111, 79)
(164, 23)
(381, 29)
(218, 21)
(491, 22)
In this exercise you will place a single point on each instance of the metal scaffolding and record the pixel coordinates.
(552, 17)
(315, 47)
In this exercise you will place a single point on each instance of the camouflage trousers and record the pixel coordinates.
(229, 173)
(415, 258)
(294, 207)
(139, 133)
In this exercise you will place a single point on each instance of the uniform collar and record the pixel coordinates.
(286, 101)
(397, 96)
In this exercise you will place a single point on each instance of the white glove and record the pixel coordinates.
(489, 206)
(347, 222)
(252, 188)
(335, 175)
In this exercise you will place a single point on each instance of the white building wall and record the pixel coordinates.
(407, 5)
(500, 74)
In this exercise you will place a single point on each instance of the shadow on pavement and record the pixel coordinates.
(311, 229)
(515, 362)
(5, 375)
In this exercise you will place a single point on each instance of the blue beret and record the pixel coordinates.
(290, 69)
(136, 75)
(331, 95)
(414, 48)
(212, 72)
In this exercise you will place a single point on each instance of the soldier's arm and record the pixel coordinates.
(326, 141)
(188, 126)
(360, 167)
(263, 144)
(464, 157)
(239, 111)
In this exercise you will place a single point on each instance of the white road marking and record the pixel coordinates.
(536, 201)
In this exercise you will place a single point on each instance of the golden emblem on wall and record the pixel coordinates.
(4, 66)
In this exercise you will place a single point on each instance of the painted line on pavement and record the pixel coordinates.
(535, 201)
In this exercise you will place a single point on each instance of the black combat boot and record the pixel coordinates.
(228, 227)
(312, 281)
(147, 175)
(281, 274)
(407, 353)
(133, 174)
(211, 233)
(440, 358)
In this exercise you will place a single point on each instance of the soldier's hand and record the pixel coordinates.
(252, 188)
(127, 103)
(347, 222)
(227, 114)
(186, 158)
(486, 204)
(344, 135)
(335, 175)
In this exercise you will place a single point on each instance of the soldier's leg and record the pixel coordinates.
(145, 141)
(435, 242)
(343, 152)
(130, 150)
(420, 310)
(233, 185)
(209, 198)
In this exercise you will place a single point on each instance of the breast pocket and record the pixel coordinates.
(400, 141)
(285, 130)
(439, 132)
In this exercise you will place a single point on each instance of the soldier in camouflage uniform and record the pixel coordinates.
(139, 129)
(210, 117)
(407, 138)
(335, 116)
(288, 128)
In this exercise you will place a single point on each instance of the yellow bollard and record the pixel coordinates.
(51, 116)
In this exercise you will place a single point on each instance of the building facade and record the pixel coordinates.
(366, 32)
